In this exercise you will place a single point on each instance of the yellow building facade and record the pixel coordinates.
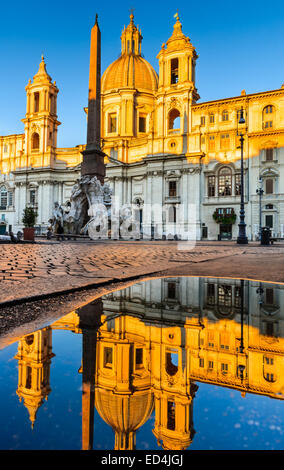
(164, 147)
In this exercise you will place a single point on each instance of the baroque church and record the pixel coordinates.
(174, 158)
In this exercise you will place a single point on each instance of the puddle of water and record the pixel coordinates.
(173, 363)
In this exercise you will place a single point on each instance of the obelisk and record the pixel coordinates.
(93, 157)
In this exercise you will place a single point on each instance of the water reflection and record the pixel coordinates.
(145, 348)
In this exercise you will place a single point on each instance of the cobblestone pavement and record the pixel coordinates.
(29, 270)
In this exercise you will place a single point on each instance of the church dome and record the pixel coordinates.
(130, 70)
(124, 413)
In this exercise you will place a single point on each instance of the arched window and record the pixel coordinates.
(3, 198)
(225, 182)
(171, 362)
(225, 115)
(174, 119)
(35, 141)
(268, 117)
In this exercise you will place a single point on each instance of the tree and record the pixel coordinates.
(29, 217)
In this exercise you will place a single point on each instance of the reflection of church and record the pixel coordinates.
(144, 349)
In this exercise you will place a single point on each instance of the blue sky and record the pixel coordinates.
(240, 46)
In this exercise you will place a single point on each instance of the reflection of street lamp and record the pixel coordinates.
(242, 237)
(241, 367)
(260, 291)
(260, 192)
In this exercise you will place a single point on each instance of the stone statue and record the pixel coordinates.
(57, 219)
(78, 208)
(89, 198)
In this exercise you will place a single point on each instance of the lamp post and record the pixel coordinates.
(242, 237)
(260, 192)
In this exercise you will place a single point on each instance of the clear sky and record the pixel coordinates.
(240, 46)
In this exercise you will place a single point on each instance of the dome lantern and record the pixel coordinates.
(131, 39)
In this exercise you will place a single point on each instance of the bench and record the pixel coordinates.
(275, 239)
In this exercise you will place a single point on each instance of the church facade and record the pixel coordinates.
(176, 161)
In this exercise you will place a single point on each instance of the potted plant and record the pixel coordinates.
(29, 219)
(225, 218)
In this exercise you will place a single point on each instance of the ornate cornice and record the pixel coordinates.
(235, 99)
(265, 133)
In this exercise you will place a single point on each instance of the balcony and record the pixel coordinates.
(172, 200)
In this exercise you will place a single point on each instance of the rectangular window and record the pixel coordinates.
(108, 357)
(211, 118)
(237, 300)
(112, 120)
(172, 214)
(211, 143)
(269, 329)
(3, 199)
(211, 186)
(269, 155)
(225, 141)
(238, 184)
(174, 71)
(171, 424)
(139, 357)
(269, 221)
(114, 153)
(268, 124)
(268, 360)
(29, 377)
(10, 198)
(210, 365)
(142, 124)
(204, 232)
(225, 340)
(172, 188)
(36, 102)
(225, 295)
(269, 186)
(202, 121)
(210, 339)
(224, 368)
(211, 294)
(269, 296)
(32, 197)
(201, 362)
(171, 290)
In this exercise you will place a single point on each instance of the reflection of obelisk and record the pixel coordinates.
(90, 321)
(93, 157)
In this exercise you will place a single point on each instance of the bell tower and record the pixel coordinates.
(176, 91)
(41, 119)
(34, 359)
(177, 60)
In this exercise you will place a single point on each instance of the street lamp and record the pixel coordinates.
(242, 237)
(260, 192)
